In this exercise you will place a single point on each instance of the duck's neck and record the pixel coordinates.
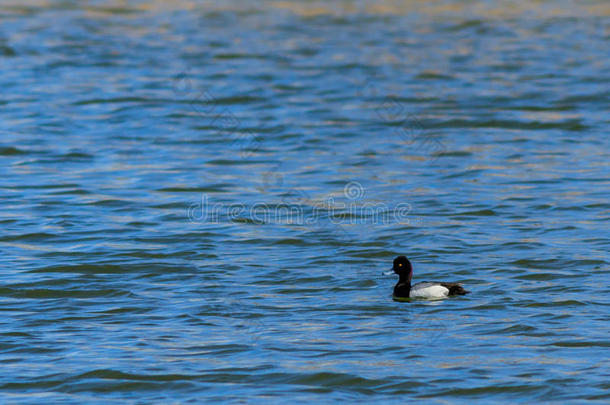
(404, 279)
(402, 289)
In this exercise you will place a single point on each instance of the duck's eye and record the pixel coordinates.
(400, 265)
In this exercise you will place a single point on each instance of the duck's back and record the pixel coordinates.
(436, 289)
(428, 290)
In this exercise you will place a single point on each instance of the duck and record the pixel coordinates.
(403, 290)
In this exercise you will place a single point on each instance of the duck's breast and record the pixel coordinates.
(428, 290)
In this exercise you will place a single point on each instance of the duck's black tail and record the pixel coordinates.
(455, 289)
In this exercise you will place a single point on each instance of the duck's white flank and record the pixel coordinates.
(428, 290)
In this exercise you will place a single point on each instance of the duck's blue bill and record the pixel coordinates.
(387, 273)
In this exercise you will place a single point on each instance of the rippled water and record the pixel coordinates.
(197, 201)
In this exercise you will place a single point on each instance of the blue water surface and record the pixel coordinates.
(197, 201)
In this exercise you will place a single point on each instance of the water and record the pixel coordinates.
(197, 201)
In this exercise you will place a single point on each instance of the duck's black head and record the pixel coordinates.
(402, 267)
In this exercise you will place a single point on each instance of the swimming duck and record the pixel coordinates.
(431, 290)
